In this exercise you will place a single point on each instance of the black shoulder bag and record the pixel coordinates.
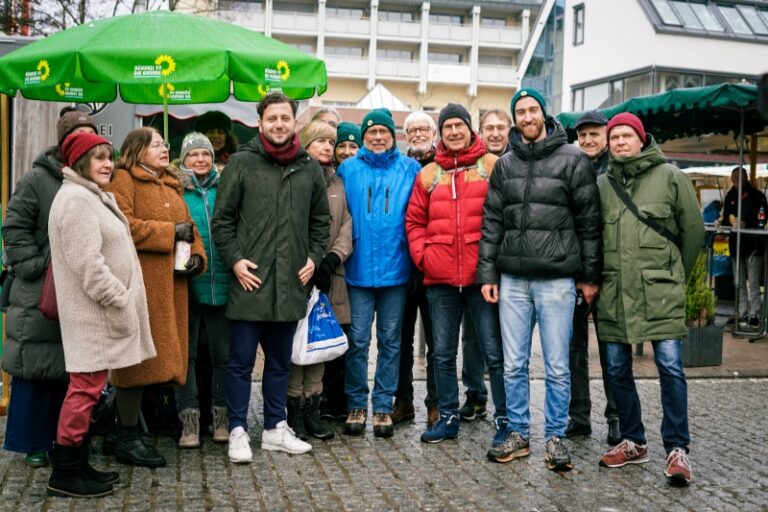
(622, 194)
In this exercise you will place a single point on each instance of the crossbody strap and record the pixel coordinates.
(622, 194)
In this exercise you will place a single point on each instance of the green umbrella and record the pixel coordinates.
(160, 57)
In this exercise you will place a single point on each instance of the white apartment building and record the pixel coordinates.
(426, 53)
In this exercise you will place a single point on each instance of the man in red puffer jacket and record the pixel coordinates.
(443, 223)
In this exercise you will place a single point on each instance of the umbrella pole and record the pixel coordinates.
(165, 113)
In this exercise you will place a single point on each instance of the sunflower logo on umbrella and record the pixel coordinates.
(45, 70)
(285, 71)
(167, 64)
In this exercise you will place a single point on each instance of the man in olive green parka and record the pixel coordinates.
(642, 297)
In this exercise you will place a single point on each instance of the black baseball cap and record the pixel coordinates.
(592, 117)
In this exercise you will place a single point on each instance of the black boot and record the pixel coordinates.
(68, 478)
(103, 477)
(130, 449)
(295, 417)
(316, 426)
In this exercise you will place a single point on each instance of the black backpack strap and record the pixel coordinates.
(622, 194)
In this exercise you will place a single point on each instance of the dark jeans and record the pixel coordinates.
(473, 367)
(33, 414)
(276, 340)
(447, 304)
(674, 393)
(209, 328)
(416, 301)
(581, 405)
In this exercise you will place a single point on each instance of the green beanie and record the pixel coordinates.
(380, 116)
(533, 93)
(348, 132)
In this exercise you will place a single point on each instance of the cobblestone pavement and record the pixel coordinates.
(728, 453)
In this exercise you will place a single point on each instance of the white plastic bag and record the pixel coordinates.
(318, 337)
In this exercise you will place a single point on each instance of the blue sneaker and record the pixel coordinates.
(447, 427)
(502, 424)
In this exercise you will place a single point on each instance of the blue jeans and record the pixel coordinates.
(276, 340)
(674, 393)
(388, 303)
(523, 303)
(446, 305)
(473, 367)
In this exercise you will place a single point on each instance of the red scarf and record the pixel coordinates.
(283, 154)
(449, 160)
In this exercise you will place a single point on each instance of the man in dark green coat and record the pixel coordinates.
(642, 297)
(271, 224)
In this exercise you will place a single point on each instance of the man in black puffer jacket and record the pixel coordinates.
(541, 242)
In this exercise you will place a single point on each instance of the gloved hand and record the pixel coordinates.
(194, 266)
(184, 232)
(325, 272)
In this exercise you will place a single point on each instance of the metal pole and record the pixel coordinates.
(737, 227)
(166, 93)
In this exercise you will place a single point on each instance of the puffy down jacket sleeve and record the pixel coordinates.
(416, 219)
(585, 198)
(493, 228)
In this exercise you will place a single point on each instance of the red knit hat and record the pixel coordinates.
(77, 144)
(627, 119)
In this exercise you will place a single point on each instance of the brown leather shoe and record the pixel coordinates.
(433, 415)
(402, 412)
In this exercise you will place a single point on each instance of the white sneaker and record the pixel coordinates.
(282, 438)
(239, 450)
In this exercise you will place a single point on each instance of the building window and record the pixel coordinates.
(395, 16)
(686, 14)
(638, 85)
(345, 12)
(487, 21)
(667, 14)
(578, 25)
(291, 7)
(344, 51)
(305, 47)
(578, 100)
(734, 19)
(446, 19)
(391, 54)
(707, 18)
(756, 23)
(495, 60)
(444, 58)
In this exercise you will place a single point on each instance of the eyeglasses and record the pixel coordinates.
(489, 128)
(160, 145)
(417, 130)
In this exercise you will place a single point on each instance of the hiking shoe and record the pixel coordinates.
(402, 412)
(502, 425)
(557, 456)
(433, 416)
(220, 425)
(576, 429)
(239, 450)
(626, 452)
(190, 428)
(473, 408)
(382, 424)
(447, 427)
(282, 438)
(678, 467)
(514, 446)
(355, 424)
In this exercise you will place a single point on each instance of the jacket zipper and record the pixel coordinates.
(455, 196)
(210, 257)
(369, 199)
(386, 201)
(524, 222)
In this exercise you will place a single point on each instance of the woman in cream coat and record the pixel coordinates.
(102, 304)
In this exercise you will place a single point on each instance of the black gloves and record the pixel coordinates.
(194, 265)
(184, 232)
(325, 272)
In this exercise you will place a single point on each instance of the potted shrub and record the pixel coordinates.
(704, 344)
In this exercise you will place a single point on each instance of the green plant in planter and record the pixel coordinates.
(699, 299)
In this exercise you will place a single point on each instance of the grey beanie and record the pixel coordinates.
(195, 140)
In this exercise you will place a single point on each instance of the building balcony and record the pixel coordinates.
(448, 73)
(492, 36)
(336, 26)
(351, 67)
(496, 75)
(247, 18)
(397, 69)
(295, 22)
(399, 29)
(453, 34)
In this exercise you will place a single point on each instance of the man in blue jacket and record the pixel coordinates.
(378, 182)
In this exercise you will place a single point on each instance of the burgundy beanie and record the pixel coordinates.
(79, 143)
(627, 119)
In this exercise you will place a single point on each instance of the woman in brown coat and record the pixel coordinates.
(305, 383)
(150, 198)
